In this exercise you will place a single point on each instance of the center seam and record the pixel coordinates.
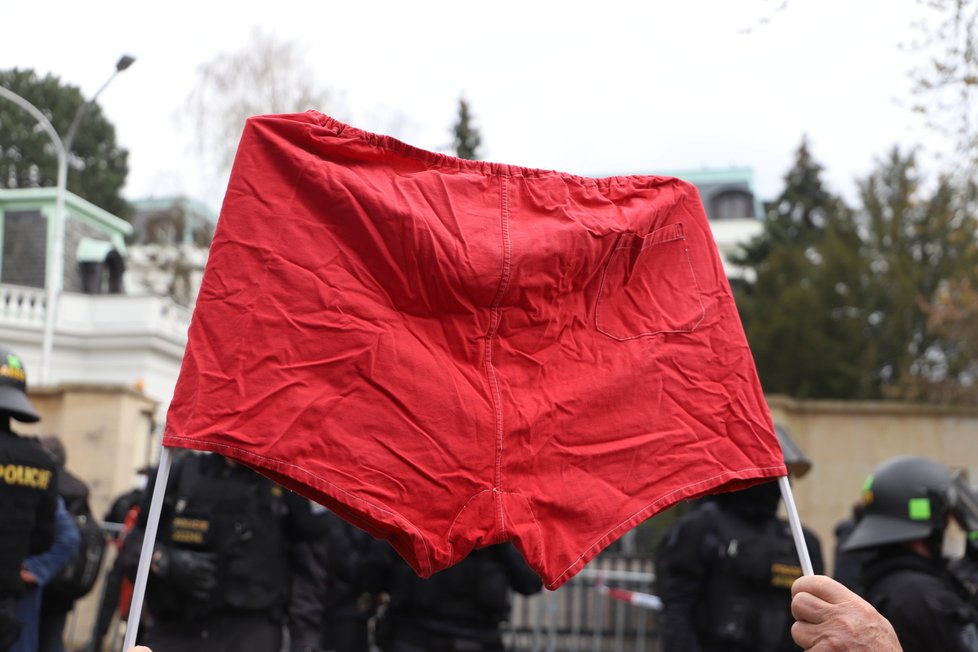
(494, 317)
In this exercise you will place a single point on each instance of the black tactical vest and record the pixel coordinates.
(748, 592)
(238, 515)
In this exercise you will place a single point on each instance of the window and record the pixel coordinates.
(731, 204)
(25, 242)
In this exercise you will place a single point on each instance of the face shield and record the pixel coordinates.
(964, 508)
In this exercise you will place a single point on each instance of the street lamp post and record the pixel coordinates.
(124, 62)
(55, 262)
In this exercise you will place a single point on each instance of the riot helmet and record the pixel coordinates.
(55, 447)
(905, 499)
(13, 388)
(760, 502)
(797, 463)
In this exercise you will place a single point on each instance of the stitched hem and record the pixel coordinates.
(662, 502)
(402, 533)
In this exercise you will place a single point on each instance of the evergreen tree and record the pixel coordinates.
(873, 304)
(467, 138)
(97, 166)
(800, 300)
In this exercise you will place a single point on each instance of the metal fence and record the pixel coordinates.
(581, 617)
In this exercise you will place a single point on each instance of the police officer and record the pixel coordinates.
(330, 610)
(116, 587)
(220, 576)
(457, 609)
(847, 565)
(907, 504)
(724, 574)
(77, 577)
(28, 493)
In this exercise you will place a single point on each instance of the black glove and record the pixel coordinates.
(194, 572)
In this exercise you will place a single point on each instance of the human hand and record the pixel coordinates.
(194, 572)
(140, 648)
(831, 618)
(27, 577)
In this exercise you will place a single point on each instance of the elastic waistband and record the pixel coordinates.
(434, 159)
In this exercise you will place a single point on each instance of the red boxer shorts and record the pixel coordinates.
(454, 353)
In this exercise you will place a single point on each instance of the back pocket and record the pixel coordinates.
(649, 287)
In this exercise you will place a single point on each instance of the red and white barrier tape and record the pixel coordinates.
(644, 600)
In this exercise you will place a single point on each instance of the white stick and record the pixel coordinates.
(795, 522)
(146, 553)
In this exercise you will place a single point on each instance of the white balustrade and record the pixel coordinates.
(22, 305)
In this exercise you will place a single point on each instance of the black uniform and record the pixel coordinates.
(28, 501)
(848, 565)
(220, 577)
(61, 593)
(928, 608)
(459, 608)
(724, 574)
(330, 610)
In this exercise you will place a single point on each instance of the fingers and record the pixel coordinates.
(804, 634)
(808, 608)
(831, 618)
(832, 632)
(812, 639)
(823, 587)
(814, 595)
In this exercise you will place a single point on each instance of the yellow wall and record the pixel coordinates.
(106, 431)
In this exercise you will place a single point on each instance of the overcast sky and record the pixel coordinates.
(593, 88)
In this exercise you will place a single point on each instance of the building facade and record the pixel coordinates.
(103, 334)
